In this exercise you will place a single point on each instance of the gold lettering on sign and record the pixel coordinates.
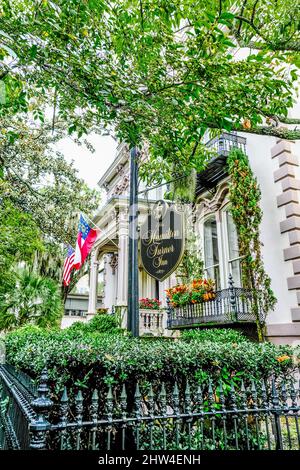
(159, 261)
(156, 237)
(162, 243)
(156, 250)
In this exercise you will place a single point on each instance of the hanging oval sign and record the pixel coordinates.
(162, 240)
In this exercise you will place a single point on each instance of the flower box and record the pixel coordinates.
(195, 292)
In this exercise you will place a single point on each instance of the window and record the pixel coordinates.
(211, 251)
(221, 249)
(234, 257)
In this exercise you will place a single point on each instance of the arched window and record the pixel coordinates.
(234, 258)
(211, 250)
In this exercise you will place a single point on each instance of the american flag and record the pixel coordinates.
(68, 266)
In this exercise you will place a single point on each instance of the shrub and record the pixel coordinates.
(215, 335)
(77, 326)
(100, 323)
(82, 360)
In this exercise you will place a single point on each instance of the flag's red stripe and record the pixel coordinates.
(69, 263)
(68, 266)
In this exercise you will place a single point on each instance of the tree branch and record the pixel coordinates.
(250, 23)
(286, 120)
(240, 23)
(283, 46)
(142, 15)
(195, 148)
(220, 7)
(292, 46)
(279, 132)
(253, 11)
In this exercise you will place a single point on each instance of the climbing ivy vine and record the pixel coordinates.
(191, 266)
(245, 195)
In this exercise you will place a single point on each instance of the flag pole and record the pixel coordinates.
(133, 272)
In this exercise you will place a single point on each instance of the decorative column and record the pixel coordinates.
(122, 274)
(109, 298)
(92, 308)
(149, 289)
(123, 260)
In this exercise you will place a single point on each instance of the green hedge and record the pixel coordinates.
(87, 360)
(101, 323)
(215, 335)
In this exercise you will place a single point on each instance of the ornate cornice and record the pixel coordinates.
(114, 262)
(122, 187)
(214, 204)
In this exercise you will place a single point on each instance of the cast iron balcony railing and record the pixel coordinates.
(230, 306)
(225, 142)
(216, 169)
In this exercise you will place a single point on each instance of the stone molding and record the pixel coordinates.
(285, 175)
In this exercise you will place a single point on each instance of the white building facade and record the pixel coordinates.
(276, 164)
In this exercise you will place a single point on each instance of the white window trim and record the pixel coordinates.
(219, 240)
(223, 244)
(227, 259)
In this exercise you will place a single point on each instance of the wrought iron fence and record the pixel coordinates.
(229, 306)
(264, 416)
(17, 391)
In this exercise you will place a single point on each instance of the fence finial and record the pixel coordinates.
(94, 405)
(175, 398)
(232, 296)
(41, 405)
(276, 414)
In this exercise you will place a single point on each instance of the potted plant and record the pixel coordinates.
(149, 304)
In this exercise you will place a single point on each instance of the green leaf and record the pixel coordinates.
(226, 15)
(33, 51)
(294, 75)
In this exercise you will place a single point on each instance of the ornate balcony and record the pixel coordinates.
(225, 142)
(229, 307)
(216, 169)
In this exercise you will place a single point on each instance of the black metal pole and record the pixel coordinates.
(133, 271)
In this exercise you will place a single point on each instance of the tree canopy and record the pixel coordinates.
(41, 196)
(158, 72)
(20, 239)
(273, 25)
(38, 180)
